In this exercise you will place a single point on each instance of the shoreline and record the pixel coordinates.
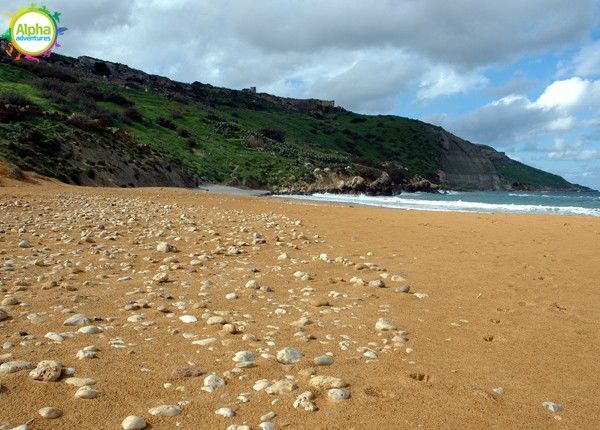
(451, 201)
(424, 203)
(232, 190)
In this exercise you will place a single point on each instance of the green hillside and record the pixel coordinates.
(69, 116)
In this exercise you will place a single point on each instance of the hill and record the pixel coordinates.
(92, 122)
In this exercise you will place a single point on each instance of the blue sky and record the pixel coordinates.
(521, 76)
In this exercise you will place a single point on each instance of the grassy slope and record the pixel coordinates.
(223, 130)
(520, 173)
(228, 156)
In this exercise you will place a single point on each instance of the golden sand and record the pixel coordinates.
(503, 301)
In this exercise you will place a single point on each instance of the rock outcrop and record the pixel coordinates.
(339, 181)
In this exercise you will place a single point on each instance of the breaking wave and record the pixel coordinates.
(456, 203)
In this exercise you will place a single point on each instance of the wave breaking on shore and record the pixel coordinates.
(470, 202)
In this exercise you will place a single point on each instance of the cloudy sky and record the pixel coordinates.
(520, 75)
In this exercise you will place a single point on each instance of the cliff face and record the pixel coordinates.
(470, 167)
(466, 166)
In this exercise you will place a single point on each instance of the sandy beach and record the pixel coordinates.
(420, 320)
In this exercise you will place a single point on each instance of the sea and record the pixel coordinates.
(547, 203)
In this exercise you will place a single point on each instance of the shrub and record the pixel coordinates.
(101, 68)
(190, 142)
(38, 141)
(227, 129)
(273, 134)
(213, 117)
(358, 119)
(132, 114)
(85, 103)
(183, 132)
(177, 113)
(56, 98)
(54, 86)
(83, 122)
(105, 117)
(329, 130)
(10, 171)
(166, 123)
(179, 99)
(91, 91)
(45, 70)
(255, 141)
(12, 98)
(117, 99)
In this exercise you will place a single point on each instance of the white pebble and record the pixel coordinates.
(133, 422)
(226, 412)
(289, 355)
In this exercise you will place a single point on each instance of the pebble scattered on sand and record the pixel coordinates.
(241, 309)
(323, 360)
(87, 392)
(77, 319)
(225, 412)
(384, 325)
(289, 355)
(15, 366)
(337, 394)
(305, 401)
(551, 406)
(165, 411)
(50, 412)
(46, 370)
(281, 386)
(188, 319)
(79, 382)
(133, 422)
(90, 329)
(212, 382)
(322, 382)
(24, 244)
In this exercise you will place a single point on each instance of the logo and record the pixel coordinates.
(33, 32)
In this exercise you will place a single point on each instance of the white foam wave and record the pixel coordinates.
(521, 195)
(399, 202)
(571, 196)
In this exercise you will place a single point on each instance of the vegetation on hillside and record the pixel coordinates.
(229, 137)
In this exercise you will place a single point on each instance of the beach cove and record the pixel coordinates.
(223, 307)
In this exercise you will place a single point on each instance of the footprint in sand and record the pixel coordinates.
(421, 377)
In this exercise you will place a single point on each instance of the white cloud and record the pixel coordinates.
(363, 53)
(502, 122)
(570, 94)
(520, 84)
(573, 152)
(443, 81)
(371, 83)
(513, 118)
(587, 61)
(564, 123)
